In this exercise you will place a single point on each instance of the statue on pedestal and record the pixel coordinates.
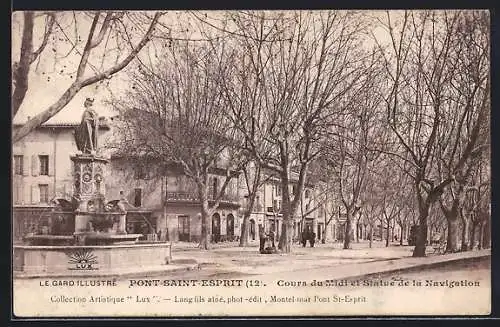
(86, 134)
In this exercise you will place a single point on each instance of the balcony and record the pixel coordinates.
(192, 198)
(182, 197)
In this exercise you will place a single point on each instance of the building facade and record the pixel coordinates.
(165, 204)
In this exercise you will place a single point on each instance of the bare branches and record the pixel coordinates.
(22, 70)
(434, 119)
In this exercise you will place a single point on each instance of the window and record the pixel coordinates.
(44, 193)
(18, 192)
(18, 165)
(44, 165)
(307, 194)
(278, 190)
(137, 197)
(140, 172)
(215, 188)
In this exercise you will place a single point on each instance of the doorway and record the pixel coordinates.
(216, 227)
(183, 228)
(230, 227)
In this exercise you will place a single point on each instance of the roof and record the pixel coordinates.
(103, 123)
(69, 116)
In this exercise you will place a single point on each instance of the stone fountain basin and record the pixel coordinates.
(91, 239)
(49, 239)
(89, 260)
(108, 238)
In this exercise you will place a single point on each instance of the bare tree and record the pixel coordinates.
(390, 210)
(350, 148)
(476, 210)
(254, 178)
(407, 216)
(176, 112)
(460, 153)
(330, 214)
(109, 35)
(300, 65)
(370, 210)
(420, 70)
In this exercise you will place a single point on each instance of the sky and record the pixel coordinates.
(49, 78)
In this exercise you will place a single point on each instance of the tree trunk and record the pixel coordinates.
(420, 245)
(487, 235)
(473, 235)
(453, 233)
(371, 236)
(165, 216)
(22, 68)
(481, 235)
(244, 230)
(465, 233)
(387, 235)
(348, 227)
(289, 208)
(206, 214)
(285, 242)
(402, 227)
(251, 202)
(205, 228)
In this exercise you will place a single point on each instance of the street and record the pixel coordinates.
(315, 281)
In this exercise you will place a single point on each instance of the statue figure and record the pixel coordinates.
(86, 133)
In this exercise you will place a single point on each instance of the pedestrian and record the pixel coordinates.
(272, 236)
(262, 239)
(312, 239)
(303, 238)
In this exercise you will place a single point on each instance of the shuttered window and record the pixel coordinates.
(138, 197)
(19, 165)
(44, 193)
(18, 192)
(44, 164)
(140, 172)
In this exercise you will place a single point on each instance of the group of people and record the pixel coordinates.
(267, 244)
(267, 240)
(308, 235)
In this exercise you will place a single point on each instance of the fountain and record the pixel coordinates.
(88, 233)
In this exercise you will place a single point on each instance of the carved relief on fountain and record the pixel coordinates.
(88, 182)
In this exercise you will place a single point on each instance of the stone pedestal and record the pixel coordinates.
(82, 223)
(88, 181)
(121, 227)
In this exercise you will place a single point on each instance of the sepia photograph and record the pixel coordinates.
(265, 163)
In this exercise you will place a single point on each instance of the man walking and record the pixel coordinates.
(304, 237)
(272, 236)
(312, 239)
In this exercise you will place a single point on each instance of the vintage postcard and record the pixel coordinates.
(251, 163)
